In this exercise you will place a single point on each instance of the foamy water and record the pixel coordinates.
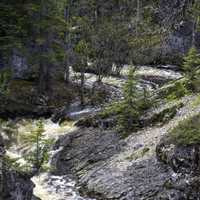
(47, 186)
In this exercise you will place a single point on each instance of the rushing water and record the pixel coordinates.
(148, 78)
(47, 186)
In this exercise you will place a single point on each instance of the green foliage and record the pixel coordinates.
(194, 84)
(145, 41)
(127, 120)
(179, 90)
(167, 113)
(130, 108)
(191, 66)
(34, 29)
(194, 12)
(187, 132)
(38, 156)
(9, 128)
(11, 163)
(196, 102)
(130, 88)
(191, 62)
(82, 51)
(82, 48)
(5, 76)
(174, 90)
(12, 25)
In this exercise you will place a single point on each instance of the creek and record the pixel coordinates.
(47, 186)
(51, 187)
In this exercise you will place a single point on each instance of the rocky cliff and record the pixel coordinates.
(141, 166)
(174, 17)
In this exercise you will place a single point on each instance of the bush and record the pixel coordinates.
(5, 76)
(191, 62)
(187, 132)
(194, 84)
(179, 90)
(191, 66)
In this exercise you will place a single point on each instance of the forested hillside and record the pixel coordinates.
(37, 36)
(99, 99)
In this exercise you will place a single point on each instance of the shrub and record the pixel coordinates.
(5, 76)
(191, 65)
(187, 132)
(179, 90)
(191, 62)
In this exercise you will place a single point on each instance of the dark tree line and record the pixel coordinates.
(77, 32)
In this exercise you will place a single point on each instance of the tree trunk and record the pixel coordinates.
(67, 42)
(194, 33)
(138, 16)
(44, 49)
(82, 92)
(43, 78)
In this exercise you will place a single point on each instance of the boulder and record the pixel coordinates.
(184, 161)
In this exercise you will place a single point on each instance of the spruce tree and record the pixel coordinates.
(128, 118)
(38, 156)
(82, 50)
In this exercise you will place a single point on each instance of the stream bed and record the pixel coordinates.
(47, 186)
(51, 187)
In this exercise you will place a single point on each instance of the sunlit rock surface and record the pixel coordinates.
(109, 168)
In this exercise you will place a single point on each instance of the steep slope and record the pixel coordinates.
(109, 168)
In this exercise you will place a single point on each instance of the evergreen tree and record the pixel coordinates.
(191, 62)
(128, 118)
(82, 49)
(194, 13)
(38, 156)
(36, 25)
(48, 26)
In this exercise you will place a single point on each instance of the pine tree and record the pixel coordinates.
(195, 15)
(36, 25)
(128, 118)
(38, 156)
(82, 49)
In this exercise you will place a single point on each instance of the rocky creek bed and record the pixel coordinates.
(107, 167)
(96, 163)
(44, 185)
